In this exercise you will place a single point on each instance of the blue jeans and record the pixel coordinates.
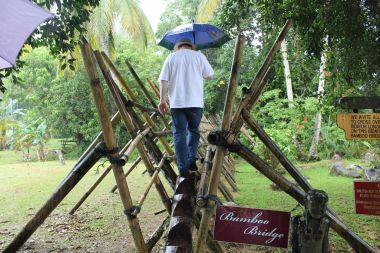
(186, 120)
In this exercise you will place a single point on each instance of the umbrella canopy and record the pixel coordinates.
(18, 19)
(202, 35)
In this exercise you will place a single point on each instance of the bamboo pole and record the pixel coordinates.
(145, 91)
(110, 142)
(253, 93)
(154, 88)
(220, 151)
(355, 242)
(131, 121)
(155, 237)
(114, 121)
(225, 171)
(133, 166)
(126, 152)
(244, 131)
(68, 183)
(221, 187)
(152, 180)
(147, 118)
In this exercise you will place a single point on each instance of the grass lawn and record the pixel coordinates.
(100, 226)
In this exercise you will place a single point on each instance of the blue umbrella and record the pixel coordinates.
(202, 35)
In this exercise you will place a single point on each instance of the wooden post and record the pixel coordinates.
(110, 142)
(75, 175)
(220, 151)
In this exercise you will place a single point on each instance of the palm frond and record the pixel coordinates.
(206, 10)
(134, 21)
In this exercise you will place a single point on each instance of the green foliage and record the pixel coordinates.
(177, 12)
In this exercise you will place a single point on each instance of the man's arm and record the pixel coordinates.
(162, 107)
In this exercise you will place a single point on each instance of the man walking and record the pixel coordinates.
(182, 77)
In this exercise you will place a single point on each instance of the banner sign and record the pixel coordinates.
(252, 226)
(360, 126)
(367, 197)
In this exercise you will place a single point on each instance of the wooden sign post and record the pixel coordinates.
(360, 126)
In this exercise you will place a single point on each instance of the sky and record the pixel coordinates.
(153, 10)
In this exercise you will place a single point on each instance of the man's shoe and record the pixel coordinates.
(184, 174)
(193, 166)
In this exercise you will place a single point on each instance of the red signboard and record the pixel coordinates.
(252, 226)
(367, 197)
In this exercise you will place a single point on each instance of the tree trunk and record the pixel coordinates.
(313, 151)
(288, 78)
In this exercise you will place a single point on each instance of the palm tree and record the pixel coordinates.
(111, 13)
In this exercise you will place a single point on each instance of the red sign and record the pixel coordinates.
(252, 226)
(367, 197)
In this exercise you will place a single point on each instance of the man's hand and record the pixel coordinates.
(162, 107)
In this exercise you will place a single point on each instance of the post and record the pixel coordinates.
(220, 151)
(110, 143)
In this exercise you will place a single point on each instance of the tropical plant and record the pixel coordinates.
(111, 13)
(35, 134)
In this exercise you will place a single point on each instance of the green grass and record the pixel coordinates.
(25, 187)
(254, 192)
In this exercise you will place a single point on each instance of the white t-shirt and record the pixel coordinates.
(185, 70)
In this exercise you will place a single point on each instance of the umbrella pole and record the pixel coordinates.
(221, 151)
(110, 142)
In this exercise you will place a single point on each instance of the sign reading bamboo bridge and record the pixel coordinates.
(360, 126)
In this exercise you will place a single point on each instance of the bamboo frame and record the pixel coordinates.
(110, 142)
(147, 118)
(298, 194)
(133, 166)
(126, 152)
(220, 151)
(68, 183)
(152, 180)
(126, 115)
(226, 138)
